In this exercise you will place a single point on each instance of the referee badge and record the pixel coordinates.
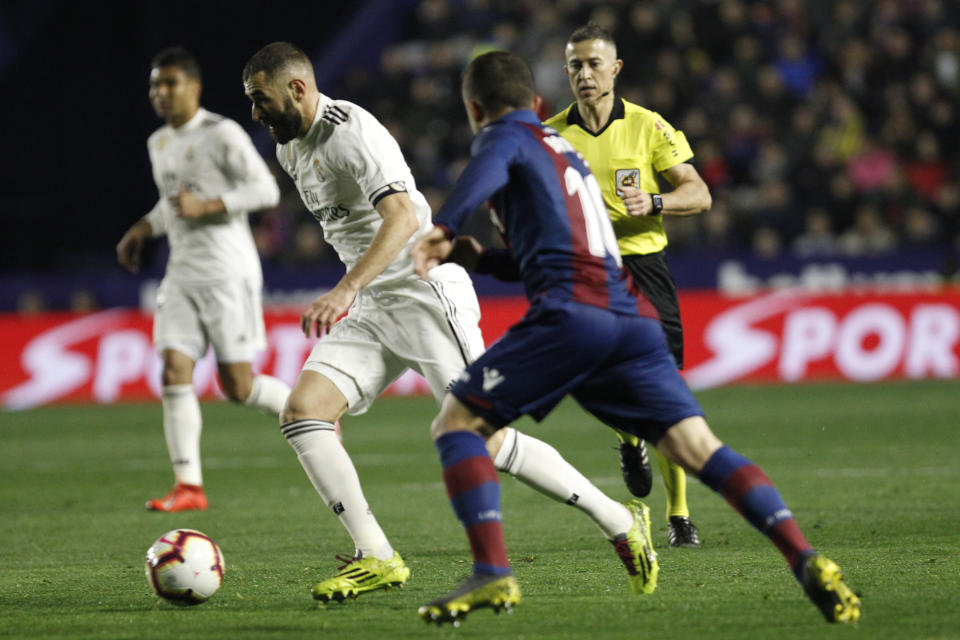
(627, 178)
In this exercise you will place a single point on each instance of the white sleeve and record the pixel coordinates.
(254, 187)
(369, 154)
(156, 220)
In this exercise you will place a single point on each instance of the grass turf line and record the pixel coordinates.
(869, 471)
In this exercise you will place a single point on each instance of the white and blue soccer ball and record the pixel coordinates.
(184, 567)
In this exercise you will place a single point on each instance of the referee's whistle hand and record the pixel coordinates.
(637, 202)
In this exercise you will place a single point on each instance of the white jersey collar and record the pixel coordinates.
(322, 101)
(192, 123)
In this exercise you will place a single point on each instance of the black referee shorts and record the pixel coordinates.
(651, 274)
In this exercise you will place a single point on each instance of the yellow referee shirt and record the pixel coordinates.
(631, 150)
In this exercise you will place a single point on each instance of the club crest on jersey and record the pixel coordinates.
(317, 171)
(189, 154)
(161, 143)
(627, 178)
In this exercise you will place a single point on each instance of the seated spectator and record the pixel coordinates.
(920, 228)
(817, 239)
(868, 235)
(31, 303)
(926, 171)
(871, 169)
(308, 244)
(83, 301)
(766, 243)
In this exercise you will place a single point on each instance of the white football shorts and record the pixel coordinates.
(430, 326)
(227, 315)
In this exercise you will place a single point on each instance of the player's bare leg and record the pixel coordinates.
(309, 423)
(259, 391)
(182, 425)
(747, 488)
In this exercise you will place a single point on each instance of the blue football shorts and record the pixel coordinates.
(618, 367)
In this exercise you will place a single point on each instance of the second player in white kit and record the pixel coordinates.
(209, 177)
(352, 177)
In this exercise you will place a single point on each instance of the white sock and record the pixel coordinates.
(181, 427)
(334, 477)
(537, 464)
(268, 394)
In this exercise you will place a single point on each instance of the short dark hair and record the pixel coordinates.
(178, 56)
(499, 79)
(591, 31)
(273, 57)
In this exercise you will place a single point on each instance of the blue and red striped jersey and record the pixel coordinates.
(549, 210)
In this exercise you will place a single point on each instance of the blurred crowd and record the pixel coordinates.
(822, 128)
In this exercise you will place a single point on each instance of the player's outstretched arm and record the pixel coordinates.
(690, 194)
(130, 247)
(399, 225)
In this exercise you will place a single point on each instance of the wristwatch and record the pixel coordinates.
(657, 204)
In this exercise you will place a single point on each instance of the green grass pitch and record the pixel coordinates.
(870, 472)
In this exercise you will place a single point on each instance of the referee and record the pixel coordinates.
(626, 147)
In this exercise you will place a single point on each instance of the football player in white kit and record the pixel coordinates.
(209, 176)
(352, 177)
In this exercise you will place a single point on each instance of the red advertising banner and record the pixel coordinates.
(792, 337)
(108, 356)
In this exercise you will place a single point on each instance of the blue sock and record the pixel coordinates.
(474, 491)
(748, 490)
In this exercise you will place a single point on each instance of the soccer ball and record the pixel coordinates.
(184, 567)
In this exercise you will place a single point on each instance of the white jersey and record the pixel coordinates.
(212, 156)
(343, 167)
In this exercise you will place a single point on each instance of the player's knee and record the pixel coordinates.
(174, 373)
(438, 427)
(292, 411)
(454, 416)
(177, 368)
(495, 441)
(300, 407)
(689, 443)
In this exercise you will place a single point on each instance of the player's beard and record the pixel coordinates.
(285, 125)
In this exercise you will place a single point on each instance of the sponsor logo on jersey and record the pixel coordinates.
(332, 212)
(321, 211)
(338, 508)
(491, 378)
(627, 178)
(317, 170)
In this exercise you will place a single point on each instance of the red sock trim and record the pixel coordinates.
(469, 474)
(741, 481)
(487, 545)
(789, 540)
